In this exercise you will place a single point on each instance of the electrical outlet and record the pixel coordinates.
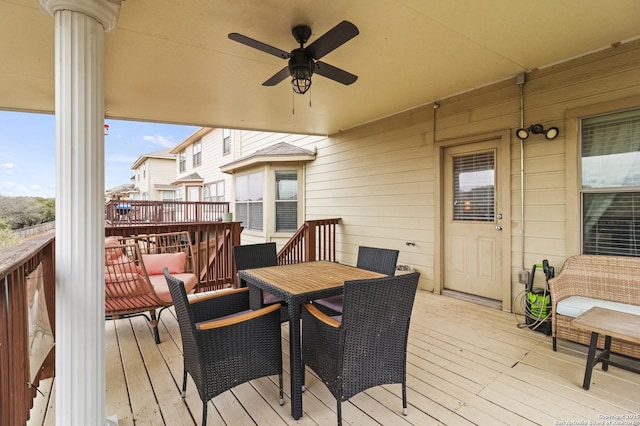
(523, 277)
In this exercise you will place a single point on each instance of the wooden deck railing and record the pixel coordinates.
(314, 240)
(213, 246)
(27, 296)
(126, 212)
(27, 327)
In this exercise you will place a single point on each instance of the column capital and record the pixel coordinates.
(104, 11)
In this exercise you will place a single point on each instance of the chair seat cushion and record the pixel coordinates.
(573, 306)
(161, 287)
(334, 302)
(270, 299)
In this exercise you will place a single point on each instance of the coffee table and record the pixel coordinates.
(609, 323)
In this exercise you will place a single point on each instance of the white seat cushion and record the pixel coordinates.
(575, 305)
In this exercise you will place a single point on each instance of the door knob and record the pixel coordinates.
(498, 227)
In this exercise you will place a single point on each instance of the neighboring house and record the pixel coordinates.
(120, 192)
(153, 174)
(250, 170)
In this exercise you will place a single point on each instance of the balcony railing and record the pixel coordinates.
(27, 327)
(126, 212)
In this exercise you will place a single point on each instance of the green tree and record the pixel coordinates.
(21, 212)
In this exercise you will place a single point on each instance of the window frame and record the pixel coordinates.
(251, 205)
(226, 141)
(619, 241)
(196, 152)
(182, 161)
(277, 201)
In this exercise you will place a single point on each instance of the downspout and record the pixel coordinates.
(524, 275)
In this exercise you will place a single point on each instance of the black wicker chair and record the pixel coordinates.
(367, 345)
(224, 342)
(252, 256)
(369, 258)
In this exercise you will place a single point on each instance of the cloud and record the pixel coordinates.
(159, 140)
(8, 168)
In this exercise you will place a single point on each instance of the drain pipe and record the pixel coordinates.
(523, 276)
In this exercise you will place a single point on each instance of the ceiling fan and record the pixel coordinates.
(304, 61)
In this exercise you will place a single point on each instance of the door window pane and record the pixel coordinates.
(474, 187)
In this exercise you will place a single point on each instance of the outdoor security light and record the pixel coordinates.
(551, 133)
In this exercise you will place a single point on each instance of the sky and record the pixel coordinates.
(28, 150)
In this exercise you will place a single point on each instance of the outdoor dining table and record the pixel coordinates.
(296, 284)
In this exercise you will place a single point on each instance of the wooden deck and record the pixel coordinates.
(467, 364)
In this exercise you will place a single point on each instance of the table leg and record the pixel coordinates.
(606, 353)
(295, 360)
(590, 361)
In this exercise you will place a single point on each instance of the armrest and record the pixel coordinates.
(236, 319)
(322, 317)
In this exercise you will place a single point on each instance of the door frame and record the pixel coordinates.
(503, 161)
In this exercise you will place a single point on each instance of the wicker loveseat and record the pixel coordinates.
(134, 281)
(585, 281)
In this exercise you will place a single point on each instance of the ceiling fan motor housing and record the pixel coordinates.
(300, 65)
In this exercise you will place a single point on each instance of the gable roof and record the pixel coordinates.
(163, 154)
(278, 153)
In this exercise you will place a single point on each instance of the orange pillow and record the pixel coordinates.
(111, 255)
(154, 263)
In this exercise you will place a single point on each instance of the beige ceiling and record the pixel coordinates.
(171, 61)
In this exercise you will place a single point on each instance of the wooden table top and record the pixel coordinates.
(610, 323)
(307, 277)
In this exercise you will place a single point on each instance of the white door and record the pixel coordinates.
(473, 219)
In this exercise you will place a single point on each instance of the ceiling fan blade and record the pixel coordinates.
(259, 45)
(332, 39)
(329, 71)
(278, 77)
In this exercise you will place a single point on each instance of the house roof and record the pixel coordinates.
(277, 153)
(408, 53)
(163, 154)
(191, 178)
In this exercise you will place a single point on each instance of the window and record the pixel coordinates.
(179, 193)
(226, 141)
(610, 184)
(214, 191)
(182, 161)
(144, 171)
(197, 153)
(286, 200)
(473, 187)
(249, 196)
(167, 195)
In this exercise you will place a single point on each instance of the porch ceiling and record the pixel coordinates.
(171, 61)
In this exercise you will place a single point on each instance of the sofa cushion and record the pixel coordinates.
(573, 306)
(113, 254)
(154, 263)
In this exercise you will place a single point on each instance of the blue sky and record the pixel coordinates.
(28, 150)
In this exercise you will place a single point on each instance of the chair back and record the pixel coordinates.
(252, 256)
(185, 316)
(377, 259)
(375, 321)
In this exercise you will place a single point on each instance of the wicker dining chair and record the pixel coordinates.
(367, 345)
(370, 258)
(224, 342)
(251, 256)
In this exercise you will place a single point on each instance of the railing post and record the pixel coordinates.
(310, 243)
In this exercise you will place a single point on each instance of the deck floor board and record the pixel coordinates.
(466, 365)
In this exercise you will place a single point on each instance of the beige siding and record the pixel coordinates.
(159, 172)
(380, 178)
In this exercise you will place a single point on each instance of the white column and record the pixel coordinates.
(80, 369)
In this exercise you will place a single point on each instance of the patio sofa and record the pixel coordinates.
(586, 281)
(133, 275)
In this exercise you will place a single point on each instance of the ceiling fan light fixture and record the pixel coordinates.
(301, 79)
